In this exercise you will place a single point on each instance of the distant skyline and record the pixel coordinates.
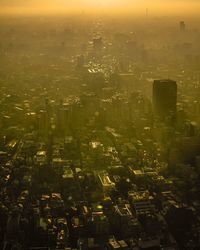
(158, 7)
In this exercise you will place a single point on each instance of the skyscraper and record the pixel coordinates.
(164, 97)
(182, 26)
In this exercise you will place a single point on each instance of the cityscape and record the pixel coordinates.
(100, 132)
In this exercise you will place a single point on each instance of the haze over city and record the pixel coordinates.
(137, 7)
(99, 125)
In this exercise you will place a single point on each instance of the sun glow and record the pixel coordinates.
(104, 3)
(122, 7)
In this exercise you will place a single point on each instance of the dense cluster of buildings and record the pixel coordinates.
(93, 162)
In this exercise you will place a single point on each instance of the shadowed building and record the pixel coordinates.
(182, 26)
(164, 98)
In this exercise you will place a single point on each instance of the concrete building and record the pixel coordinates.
(164, 97)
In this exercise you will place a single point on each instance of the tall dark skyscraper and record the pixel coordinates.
(164, 97)
(182, 26)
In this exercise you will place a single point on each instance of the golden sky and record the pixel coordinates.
(120, 6)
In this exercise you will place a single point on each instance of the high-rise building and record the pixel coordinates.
(182, 26)
(43, 122)
(164, 97)
(63, 113)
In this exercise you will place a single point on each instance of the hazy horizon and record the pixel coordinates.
(123, 7)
